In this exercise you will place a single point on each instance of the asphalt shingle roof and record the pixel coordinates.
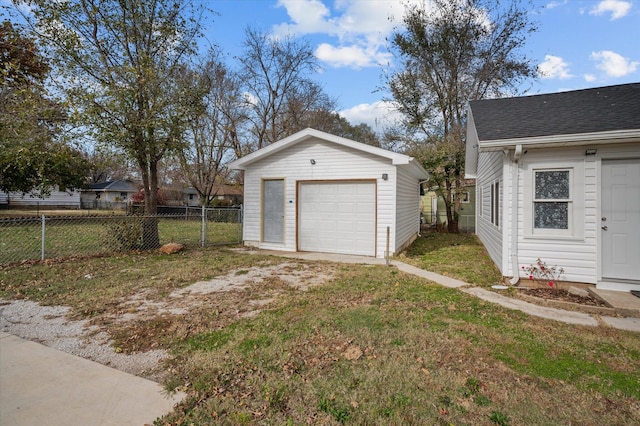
(581, 111)
(114, 185)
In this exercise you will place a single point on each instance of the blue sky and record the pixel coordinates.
(579, 44)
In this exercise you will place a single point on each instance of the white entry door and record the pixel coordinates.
(337, 217)
(273, 211)
(620, 221)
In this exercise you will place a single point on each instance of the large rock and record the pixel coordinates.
(577, 291)
(171, 248)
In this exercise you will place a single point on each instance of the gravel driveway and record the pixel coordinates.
(52, 326)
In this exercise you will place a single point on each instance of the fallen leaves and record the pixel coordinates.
(352, 353)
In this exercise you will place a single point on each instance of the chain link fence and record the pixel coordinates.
(53, 237)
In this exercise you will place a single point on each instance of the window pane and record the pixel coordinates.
(551, 215)
(497, 205)
(552, 185)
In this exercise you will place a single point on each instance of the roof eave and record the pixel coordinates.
(416, 169)
(576, 139)
(242, 163)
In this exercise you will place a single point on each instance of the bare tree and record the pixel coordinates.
(334, 123)
(108, 164)
(279, 92)
(450, 53)
(212, 132)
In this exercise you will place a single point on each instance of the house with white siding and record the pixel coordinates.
(56, 199)
(314, 191)
(558, 178)
(108, 195)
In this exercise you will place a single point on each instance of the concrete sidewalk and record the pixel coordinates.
(43, 386)
(624, 303)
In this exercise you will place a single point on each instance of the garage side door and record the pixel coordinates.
(337, 217)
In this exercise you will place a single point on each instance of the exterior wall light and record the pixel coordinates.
(385, 176)
(312, 161)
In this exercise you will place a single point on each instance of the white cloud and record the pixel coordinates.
(250, 98)
(360, 27)
(554, 67)
(617, 8)
(613, 64)
(307, 16)
(554, 4)
(350, 56)
(590, 78)
(378, 115)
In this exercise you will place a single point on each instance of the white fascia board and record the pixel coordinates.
(576, 139)
(241, 163)
(471, 148)
(418, 170)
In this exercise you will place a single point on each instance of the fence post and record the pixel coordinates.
(42, 248)
(204, 222)
(387, 252)
(240, 222)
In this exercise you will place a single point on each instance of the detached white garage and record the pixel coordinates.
(318, 192)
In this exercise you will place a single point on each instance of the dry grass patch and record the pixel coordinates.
(370, 345)
(378, 347)
(149, 301)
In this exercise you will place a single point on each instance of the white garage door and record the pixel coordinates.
(337, 217)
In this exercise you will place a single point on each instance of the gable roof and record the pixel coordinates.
(600, 115)
(601, 109)
(306, 134)
(114, 185)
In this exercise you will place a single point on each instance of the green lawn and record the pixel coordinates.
(371, 346)
(460, 256)
(71, 237)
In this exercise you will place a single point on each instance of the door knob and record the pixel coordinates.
(605, 227)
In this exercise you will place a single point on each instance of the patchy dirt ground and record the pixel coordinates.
(131, 334)
(563, 296)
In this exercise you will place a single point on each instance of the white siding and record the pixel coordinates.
(578, 255)
(332, 162)
(55, 199)
(490, 169)
(407, 210)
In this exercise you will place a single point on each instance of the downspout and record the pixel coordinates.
(514, 221)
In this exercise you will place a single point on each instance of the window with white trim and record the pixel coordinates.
(495, 203)
(463, 196)
(554, 197)
(552, 207)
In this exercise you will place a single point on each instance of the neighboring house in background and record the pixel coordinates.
(434, 212)
(56, 200)
(228, 196)
(314, 191)
(558, 178)
(225, 195)
(190, 197)
(114, 194)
